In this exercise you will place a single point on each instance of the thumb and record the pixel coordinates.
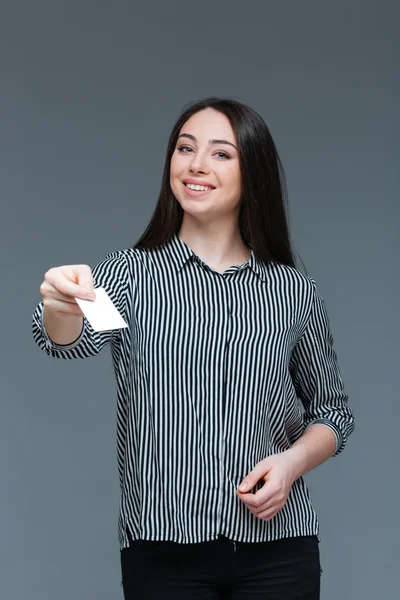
(253, 477)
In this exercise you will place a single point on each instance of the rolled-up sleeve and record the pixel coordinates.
(316, 376)
(111, 274)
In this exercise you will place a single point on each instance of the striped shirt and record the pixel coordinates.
(215, 372)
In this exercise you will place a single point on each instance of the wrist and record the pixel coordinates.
(316, 445)
(297, 460)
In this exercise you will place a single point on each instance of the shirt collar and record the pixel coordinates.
(181, 253)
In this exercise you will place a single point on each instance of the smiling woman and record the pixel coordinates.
(226, 146)
(201, 169)
(229, 389)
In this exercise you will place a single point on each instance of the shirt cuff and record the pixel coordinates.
(332, 427)
(52, 345)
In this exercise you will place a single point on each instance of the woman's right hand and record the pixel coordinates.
(60, 287)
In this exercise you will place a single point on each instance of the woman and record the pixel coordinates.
(228, 385)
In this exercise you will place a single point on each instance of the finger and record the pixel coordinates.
(261, 497)
(255, 503)
(252, 478)
(267, 515)
(67, 287)
(63, 308)
(257, 510)
(55, 295)
(267, 509)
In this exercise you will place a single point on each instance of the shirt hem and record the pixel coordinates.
(160, 537)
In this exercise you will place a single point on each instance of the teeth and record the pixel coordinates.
(199, 188)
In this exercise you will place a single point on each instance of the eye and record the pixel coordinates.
(224, 154)
(181, 148)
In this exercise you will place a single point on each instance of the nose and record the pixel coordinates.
(198, 165)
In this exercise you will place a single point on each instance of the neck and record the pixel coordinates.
(213, 242)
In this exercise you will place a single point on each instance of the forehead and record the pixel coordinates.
(208, 124)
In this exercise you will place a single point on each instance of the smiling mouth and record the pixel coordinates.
(197, 190)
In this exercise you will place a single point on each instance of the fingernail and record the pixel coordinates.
(242, 487)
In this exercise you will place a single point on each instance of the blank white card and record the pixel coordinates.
(101, 313)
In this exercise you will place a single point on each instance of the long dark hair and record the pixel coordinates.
(263, 208)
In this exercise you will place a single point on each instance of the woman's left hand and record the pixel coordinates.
(278, 473)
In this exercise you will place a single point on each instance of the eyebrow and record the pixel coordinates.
(192, 137)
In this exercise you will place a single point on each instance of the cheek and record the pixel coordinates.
(173, 167)
(232, 178)
(175, 172)
(177, 165)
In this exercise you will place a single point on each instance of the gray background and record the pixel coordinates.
(89, 93)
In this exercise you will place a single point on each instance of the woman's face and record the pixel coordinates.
(206, 154)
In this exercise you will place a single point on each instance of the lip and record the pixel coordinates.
(199, 182)
(196, 193)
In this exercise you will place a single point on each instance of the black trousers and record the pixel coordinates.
(287, 569)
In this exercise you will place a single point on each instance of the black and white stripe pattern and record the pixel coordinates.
(215, 372)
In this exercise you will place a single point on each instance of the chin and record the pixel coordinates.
(192, 203)
(194, 210)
